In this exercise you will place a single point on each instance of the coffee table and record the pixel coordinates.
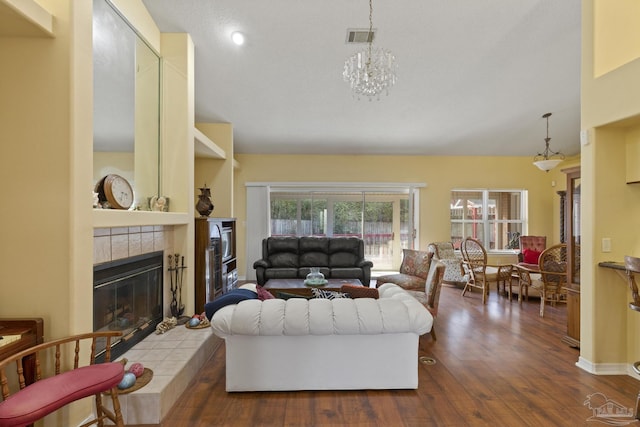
(297, 286)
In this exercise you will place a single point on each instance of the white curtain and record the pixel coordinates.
(257, 224)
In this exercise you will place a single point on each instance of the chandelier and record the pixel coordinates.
(548, 159)
(370, 71)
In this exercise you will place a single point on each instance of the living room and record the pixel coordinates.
(47, 129)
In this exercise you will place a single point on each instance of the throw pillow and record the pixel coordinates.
(263, 294)
(232, 297)
(360, 291)
(530, 256)
(321, 293)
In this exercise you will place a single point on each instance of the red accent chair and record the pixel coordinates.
(530, 249)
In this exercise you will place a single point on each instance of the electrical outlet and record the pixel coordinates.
(606, 244)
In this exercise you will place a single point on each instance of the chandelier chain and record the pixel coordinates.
(372, 70)
(370, 35)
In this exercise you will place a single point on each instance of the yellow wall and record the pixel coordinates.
(441, 174)
(610, 111)
(616, 34)
(217, 174)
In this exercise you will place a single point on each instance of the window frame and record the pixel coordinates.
(486, 222)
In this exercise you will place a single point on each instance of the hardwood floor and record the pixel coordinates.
(496, 365)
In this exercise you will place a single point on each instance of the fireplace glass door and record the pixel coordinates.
(127, 297)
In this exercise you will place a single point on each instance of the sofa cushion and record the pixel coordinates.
(314, 251)
(280, 273)
(344, 252)
(415, 263)
(346, 273)
(283, 252)
(232, 297)
(405, 281)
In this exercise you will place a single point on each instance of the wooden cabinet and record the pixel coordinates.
(215, 259)
(572, 234)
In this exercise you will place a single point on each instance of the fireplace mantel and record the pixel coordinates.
(105, 218)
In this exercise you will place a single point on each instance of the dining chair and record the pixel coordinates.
(480, 274)
(553, 271)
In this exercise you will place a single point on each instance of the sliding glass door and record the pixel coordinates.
(384, 220)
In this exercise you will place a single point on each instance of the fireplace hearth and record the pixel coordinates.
(127, 297)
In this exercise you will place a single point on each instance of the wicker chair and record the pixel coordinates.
(68, 382)
(480, 274)
(553, 272)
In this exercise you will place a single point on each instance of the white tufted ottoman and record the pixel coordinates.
(322, 344)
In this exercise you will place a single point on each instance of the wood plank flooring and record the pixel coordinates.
(496, 365)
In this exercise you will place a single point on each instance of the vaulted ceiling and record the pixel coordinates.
(474, 77)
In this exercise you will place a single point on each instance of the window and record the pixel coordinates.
(494, 217)
(381, 219)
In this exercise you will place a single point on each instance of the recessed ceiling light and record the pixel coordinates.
(238, 38)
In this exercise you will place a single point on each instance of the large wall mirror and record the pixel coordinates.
(126, 112)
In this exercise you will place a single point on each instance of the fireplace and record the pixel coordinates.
(127, 297)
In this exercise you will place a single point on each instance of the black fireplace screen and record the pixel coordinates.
(127, 297)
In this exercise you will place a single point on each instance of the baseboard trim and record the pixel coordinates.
(607, 368)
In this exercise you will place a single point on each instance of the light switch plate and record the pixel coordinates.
(584, 137)
(606, 244)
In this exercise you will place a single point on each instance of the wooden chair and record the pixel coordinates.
(63, 382)
(632, 266)
(430, 298)
(553, 271)
(525, 275)
(480, 274)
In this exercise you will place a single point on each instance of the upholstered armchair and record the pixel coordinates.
(530, 249)
(444, 252)
(413, 271)
(430, 295)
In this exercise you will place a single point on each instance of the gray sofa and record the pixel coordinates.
(293, 257)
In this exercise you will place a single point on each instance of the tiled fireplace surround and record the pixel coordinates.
(176, 356)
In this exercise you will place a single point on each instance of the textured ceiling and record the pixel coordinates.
(475, 77)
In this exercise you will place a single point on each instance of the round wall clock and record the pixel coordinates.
(117, 191)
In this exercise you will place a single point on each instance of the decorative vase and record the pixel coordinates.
(315, 276)
(204, 205)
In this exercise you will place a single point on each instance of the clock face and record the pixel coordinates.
(118, 191)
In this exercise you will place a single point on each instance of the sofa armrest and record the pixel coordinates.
(262, 263)
(365, 263)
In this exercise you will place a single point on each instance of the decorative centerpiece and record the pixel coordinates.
(315, 278)
(204, 206)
